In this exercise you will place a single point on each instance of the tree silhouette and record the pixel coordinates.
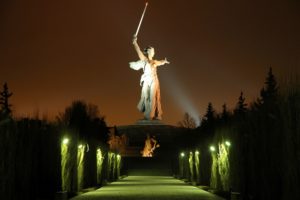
(209, 118)
(4, 101)
(225, 114)
(85, 119)
(241, 106)
(187, 122)
(210, 113)
(269, 93)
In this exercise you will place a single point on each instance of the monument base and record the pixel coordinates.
(149, 122)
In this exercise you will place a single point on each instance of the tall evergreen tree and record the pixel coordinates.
(269, 92)
(4, 101)
(210, 112)
(209, 117)
(225, 114)
(241, 106)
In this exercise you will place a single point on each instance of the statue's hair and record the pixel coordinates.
(146, 49)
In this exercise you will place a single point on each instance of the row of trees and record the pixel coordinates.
(263, 160)
(31, 153)
(5, 109)
(268, 97)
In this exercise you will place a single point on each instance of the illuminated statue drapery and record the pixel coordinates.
(149, 103)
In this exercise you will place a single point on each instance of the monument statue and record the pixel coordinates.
(149, 103)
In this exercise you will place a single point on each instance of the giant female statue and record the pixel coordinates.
(149, 103)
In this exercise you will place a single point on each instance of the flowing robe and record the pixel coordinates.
(149, 103)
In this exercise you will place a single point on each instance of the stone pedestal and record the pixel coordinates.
(149, 122)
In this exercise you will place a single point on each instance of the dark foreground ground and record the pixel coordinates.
(148, 188)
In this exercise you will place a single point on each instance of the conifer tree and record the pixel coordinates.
(209, 118)
(4, 101)
(241, 106)
(210, 112)
(270, 91)
(225, 113)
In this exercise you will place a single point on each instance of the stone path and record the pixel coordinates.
(148, 188)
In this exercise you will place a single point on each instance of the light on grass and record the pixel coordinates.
(80, 146)
(228, 143)
(182, 154)
(197, 152)
(118, 156)
(212, 148)
(65, 141)
(65, 155)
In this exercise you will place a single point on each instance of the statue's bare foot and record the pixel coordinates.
(158, 118)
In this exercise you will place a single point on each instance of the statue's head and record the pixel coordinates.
(149, 51)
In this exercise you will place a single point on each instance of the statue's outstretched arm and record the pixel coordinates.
(162, 62)
(137, 49)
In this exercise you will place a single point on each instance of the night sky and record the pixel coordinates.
(54, 52)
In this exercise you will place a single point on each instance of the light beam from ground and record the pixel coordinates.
(180, 96)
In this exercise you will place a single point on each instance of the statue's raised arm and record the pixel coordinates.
(140, 64)
(137, 49)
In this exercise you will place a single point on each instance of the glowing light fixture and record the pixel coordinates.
(228, 143)
(65, 141)
(182, 154)
(212, 148)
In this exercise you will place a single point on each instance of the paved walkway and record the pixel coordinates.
(148, 188)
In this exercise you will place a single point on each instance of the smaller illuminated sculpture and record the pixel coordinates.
(150, 146)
